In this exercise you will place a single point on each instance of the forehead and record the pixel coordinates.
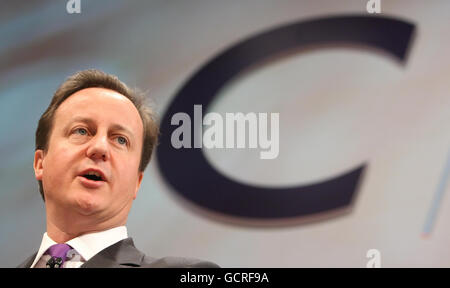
(101, 105)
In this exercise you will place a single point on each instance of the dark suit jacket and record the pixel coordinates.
(123, 254)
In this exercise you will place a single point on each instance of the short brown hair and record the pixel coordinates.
(96, 78)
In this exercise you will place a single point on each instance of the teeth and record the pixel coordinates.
(94, 173)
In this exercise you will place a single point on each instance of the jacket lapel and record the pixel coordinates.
(120, 254)
(27, 263)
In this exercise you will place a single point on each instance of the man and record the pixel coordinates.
(92, 146)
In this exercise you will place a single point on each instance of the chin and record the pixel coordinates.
(88, 204)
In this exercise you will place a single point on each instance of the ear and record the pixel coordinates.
(37, 164)
(140, 176)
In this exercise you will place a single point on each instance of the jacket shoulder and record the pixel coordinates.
(124, 254)
(176, 262)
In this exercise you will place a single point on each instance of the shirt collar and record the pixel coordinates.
(87, 245)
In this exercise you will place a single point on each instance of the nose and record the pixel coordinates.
(98, 147)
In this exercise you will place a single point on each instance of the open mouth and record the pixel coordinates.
(94, 176)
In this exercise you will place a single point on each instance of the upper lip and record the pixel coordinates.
(100, 172)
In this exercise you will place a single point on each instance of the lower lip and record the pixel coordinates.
(90, 183)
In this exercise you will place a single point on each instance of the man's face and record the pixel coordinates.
(92, 161)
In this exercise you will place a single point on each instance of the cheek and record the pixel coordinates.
(128, 175)
(58, 163)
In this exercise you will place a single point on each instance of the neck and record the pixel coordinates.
(61, 236)
(64, 228)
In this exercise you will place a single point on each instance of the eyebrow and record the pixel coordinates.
(118, 127)
(90, 122)
(85, 120)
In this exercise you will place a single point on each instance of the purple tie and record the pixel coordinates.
(58, 252)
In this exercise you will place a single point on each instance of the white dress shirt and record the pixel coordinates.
(84, 247)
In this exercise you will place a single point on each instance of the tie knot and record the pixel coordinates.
(58, 252)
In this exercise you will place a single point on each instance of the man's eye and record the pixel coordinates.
(122, 140)
(81, 131)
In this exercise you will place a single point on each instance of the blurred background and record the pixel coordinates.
(339, 108)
